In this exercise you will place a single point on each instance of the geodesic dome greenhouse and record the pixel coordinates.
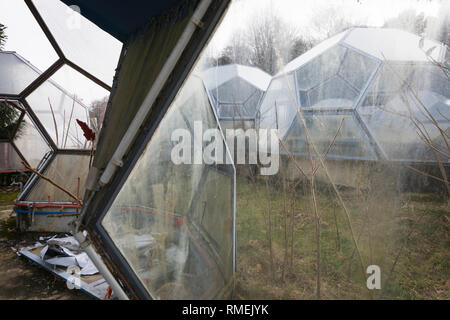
(384, 94)
(235, 92)
(49, 104)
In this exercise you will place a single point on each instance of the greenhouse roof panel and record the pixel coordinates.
(392, 44)
(15, 73)
(216, 76)
(317, 50)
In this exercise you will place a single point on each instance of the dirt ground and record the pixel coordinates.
(21, 279)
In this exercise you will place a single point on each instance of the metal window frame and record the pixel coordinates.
(34, 85)
(109, 252)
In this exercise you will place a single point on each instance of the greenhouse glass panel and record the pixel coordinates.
(356, 69)
(251, 105)
(67, 170)
(31, 143)
(85, 90)
(25, 36)
(349, 143)
(320, 68)
(333, 94)
(9, 121)
(82, 42)
(58, 111)
(9, 158)
(161, 222)
(409, 102)
(281, 93)
(15, 74)
(234, 91)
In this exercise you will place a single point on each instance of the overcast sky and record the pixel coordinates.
(99, 51)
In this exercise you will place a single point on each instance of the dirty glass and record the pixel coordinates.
(9, 122)
(9, 158)
(411, 103)
(165, 218)
(31, 143)
(333, 94)
(84, 43)
(356, 69)
(321, 68)
(58, 110)
(349, 142)
(280, 94)
(236, 90)
(15, 74)
(67, 170)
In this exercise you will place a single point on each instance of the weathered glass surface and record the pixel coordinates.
(67, 170)
(174, 223)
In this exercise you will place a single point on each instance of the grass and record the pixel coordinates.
(385, 223)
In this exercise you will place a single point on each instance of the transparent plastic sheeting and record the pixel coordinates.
(388, 104)
(31, 143)
(9, 159)
(67, 170)
(15, 74)
(82, 41)
(174, 224)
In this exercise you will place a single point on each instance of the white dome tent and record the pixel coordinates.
(235, 91)
(382, 83)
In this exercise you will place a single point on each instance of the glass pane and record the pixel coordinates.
(217, 224)
(25, 36)
(15, 74)
(322, 129)
(67, 170)
(31, 143)
(58, 111)
(333, 94)
(409, 102)
(9, 159)
(236, 90)
(9, 120)
(357, 69)
(320, 68)
(82, 42)
(281, 93)
(85, 90)
(154, 221)
(234, 111)
(252, 103)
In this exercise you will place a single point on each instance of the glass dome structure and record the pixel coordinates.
(48, 104)
(235, 91)
(375, 89)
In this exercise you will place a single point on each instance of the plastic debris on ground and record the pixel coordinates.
(63, 256)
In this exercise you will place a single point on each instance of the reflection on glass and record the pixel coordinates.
(166, 217)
